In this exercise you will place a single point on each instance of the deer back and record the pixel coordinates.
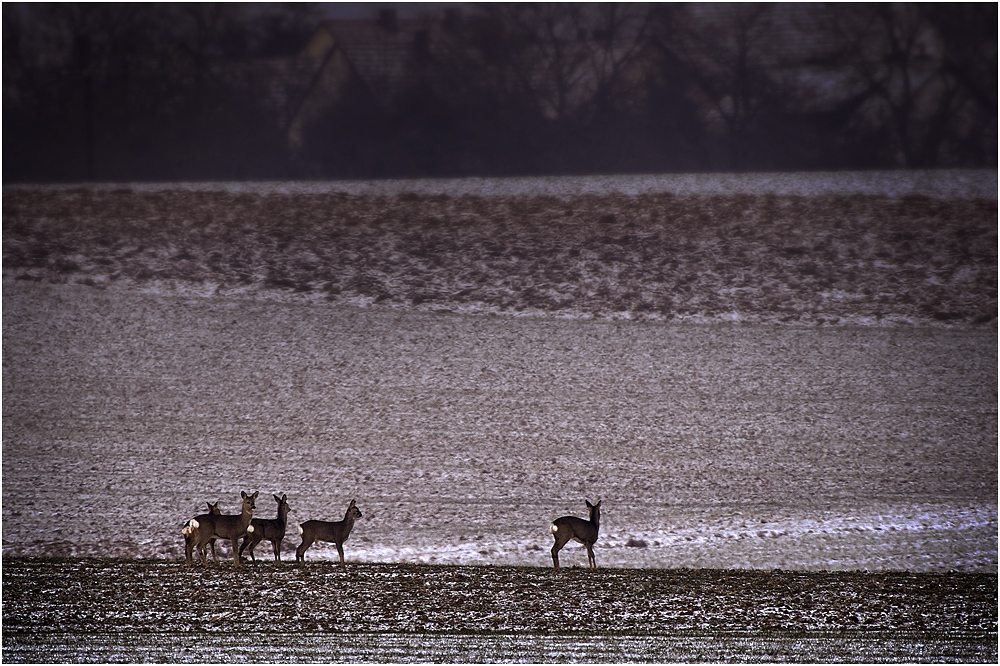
(191, 525)
(336, 532)
(578, 528)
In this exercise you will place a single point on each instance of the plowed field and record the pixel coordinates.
(787, 402)
(134, 610)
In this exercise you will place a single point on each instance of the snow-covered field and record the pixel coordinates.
(939, 184)
(168, 347)
(461, 437)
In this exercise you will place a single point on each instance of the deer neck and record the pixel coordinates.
(348, 523)
(282, 516)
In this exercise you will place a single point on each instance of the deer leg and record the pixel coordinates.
(556, 547)
(236, 552)
(243, 546)
(300, 552)
(215, 558)
(340, 549)
(562, 538)
(276, 546)
(590, 556)
(249, 541)
(203, 555)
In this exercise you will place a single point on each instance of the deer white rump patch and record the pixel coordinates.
(300, 529)
(553, 528)
(249, 529)
(194, 524)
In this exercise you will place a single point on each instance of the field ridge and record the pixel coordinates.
(822, 260)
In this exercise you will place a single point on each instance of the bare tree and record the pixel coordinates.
(118, 91)
(74, 63)
(568, 59)
(617, 47)
(921, 98)
(728, 57)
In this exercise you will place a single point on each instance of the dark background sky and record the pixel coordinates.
(228, 91)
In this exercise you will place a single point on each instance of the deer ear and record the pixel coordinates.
(589, 505)
(276, 499)
(255, 494)
(243, 494)
(283, 496)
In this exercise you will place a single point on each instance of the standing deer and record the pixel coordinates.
(206, 527)
(585, 531)
(319, 530)
(188, 530)
(271, 529)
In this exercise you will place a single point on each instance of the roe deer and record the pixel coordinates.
(271, 529)
(188, 530)
(585, 531)
(320, 530)
(206, 527)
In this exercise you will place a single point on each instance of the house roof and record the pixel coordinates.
(382, 52)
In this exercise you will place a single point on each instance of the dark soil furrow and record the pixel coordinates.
(103, 595)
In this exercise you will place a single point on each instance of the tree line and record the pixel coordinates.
(121, 92)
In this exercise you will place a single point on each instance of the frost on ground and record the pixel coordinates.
(729, 446)
(134, 596)
(749, 380)
(824, 259)
(143, 611)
